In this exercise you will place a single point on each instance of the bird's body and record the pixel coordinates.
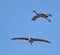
(44, 15)
(31, 39)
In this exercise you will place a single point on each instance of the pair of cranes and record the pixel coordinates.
(44, 15)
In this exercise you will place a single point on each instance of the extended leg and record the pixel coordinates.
(48, 20)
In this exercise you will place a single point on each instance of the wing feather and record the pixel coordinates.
(21, 38)
(34, 18)
(38, 15)
(36, 39)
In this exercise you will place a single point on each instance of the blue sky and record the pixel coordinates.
(15, 21)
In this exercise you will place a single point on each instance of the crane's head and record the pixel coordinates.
(33, 11)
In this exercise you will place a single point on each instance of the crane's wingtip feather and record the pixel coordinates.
(13, 39)
(49, 42)
(33, 19)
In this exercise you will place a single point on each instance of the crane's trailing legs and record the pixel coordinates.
(48, 19)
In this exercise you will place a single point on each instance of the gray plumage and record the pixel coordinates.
(38, 15)
(31, 39)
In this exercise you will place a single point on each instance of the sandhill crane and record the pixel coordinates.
(31, 39)
(44, 15)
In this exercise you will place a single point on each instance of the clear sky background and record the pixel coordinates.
(15, 21)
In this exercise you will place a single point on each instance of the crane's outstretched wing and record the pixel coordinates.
(36, 39)
(21, 38)
(39, 15)
(35, 17)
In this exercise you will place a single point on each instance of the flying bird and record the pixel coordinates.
(44, 15)
(31, 39)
